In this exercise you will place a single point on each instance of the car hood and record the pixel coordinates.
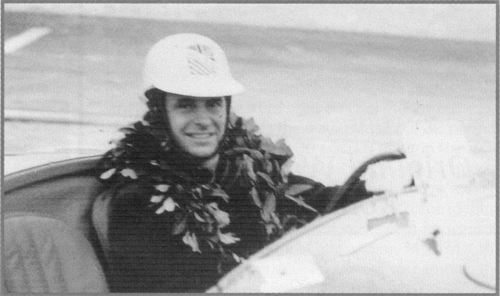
(415, 242)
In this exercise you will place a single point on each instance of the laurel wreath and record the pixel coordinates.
(257, 164)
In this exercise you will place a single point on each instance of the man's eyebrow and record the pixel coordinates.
(187, 99)
(195, 98)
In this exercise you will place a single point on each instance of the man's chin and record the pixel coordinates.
(203, 154)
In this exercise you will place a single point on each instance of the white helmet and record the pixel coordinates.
(190, 65)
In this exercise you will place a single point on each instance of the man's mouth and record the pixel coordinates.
(200, 136)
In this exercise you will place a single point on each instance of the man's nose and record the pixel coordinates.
(202, 115)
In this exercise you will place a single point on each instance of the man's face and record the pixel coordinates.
(197, 124)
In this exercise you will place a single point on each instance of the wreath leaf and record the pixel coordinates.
(278, 149)
(191, 240)
(129, 173)
(180, 225)
(255, 197)
(162, 187)
(248, 162)
(156, 198)
(107, 174)
(228, 238)
(220, 193)
(267, 179)
(301, 202)
(269, 207)
(220, 216)
(286, 169)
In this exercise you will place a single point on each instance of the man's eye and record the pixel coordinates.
(214, 103)
(185, 104)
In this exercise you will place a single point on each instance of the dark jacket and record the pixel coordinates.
(144, 256)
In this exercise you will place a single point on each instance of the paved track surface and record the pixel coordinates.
(337, 98)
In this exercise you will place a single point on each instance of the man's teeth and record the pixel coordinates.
(200, 136)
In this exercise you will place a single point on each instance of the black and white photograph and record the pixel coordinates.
(346, 147)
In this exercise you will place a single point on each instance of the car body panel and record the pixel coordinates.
(388, 244)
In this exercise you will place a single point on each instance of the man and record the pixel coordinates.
(192, 190)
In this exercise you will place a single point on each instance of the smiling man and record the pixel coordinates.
(197, 125)
(192, 189)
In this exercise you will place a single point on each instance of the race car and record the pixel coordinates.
(423, 233)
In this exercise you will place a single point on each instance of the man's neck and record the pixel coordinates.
(211, 163)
